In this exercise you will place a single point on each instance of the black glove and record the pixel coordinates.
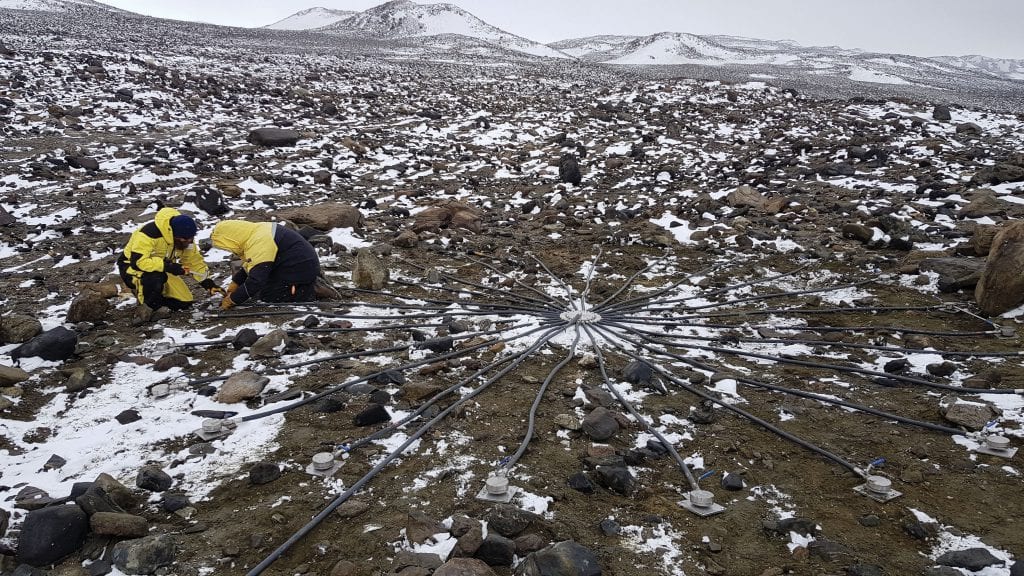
(173, 268)
(208, 284)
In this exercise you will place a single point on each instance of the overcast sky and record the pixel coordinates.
(918, 27)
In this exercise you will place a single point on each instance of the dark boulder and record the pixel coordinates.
(617, 479)
(153, 478)
(600, 424)
(56, 344)
(210, 200)
(50, 534)
(569, 170)
(274, 137)
(1001, 287)
(88, 306)
(972, 559)
(144, 555)
(562, 559)
(580, 482)
(464, 567)
(941, 113)
(496, 550)
(371, 415)
(509, 521)
(638, 372)
(83, 162)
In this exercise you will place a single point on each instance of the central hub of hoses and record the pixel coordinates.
(580, 316)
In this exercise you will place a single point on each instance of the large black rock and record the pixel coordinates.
(153, 478)
(496, 550)
(50, 534)
(210, 201)
(617, 479)
(144, 555)
(638, 372)
(274, 137)
(56, 344)
(973, 559)
(562, 559)
(372, 414)
(569, 170)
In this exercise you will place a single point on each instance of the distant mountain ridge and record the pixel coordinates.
(311, 18)
(53, 5)
(404, 19)
(674, 48)
(1003, 67)
(446, 31)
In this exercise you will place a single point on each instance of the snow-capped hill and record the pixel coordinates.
(744, 43)
(52, 5)
(403, 19)
(311, 18)
(594, 48)
(1002, 67)
(675, 48)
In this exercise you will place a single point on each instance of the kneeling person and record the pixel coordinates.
(278, 264)
(156, 258)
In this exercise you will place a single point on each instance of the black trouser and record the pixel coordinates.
(152, 285)
(292, 282)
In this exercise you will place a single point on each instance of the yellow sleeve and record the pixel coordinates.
(193, 260)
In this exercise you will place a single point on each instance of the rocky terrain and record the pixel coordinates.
(614, 285)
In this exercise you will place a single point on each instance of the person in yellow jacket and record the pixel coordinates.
(156, 258)
(278, 264)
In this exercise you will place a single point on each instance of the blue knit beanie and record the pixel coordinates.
(183, 226)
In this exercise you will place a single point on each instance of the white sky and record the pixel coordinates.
(918, 27)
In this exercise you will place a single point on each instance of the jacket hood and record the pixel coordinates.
(232, 235)
(163, 223)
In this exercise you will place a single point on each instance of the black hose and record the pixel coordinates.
(678, 321)
(763, 296)
(349, 355)
(545, 297)
(546, 300)
(836, 367)
(877, 347)
(531, 422)
(821, 398)
(414, 364)
(791, 391)
(434, 399)
(639, 417)
(526, 305)
(629, 282)
(767, 425)
(341, 498)
(619, 308)
(296, 331)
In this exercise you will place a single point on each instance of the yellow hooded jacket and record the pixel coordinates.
(270, 254)
(153, 243)
(252, 242)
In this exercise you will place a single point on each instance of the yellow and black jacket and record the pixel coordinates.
(151, 246)
(275, 260)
